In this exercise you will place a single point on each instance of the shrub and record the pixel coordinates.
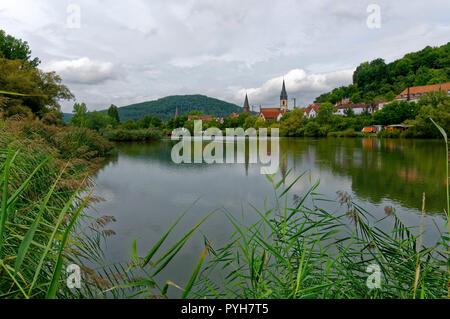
(120, 135)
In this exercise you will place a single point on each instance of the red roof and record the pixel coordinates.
(426, 88)
(234, 115)
(270, 113)
(314, 106)
(351, 105)
(200, 117)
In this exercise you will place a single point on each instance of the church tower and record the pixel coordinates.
(246, 105)
(283, 99)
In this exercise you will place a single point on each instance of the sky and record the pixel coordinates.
(124, 52)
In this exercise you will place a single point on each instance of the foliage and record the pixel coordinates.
(41, 205)
(16, 49)
(43, 91)
(378, 80)
(98, 121)
(130, 135)
(165, 108)
(435, 105)
(303, 251)
(396, 112)
(114, 114)
(79, 115)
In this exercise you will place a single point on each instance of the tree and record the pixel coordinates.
(16, 49)
(396, 112)
(293, 123)
(98, 121)
(113, 113)
(79, 117)
(325, 113)
(129, 125)
(349, 112)
(41, 92)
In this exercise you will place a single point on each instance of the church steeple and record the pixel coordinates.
(283, 99)
(246, 105)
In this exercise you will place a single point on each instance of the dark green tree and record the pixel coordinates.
(113, 113)
(16, 49)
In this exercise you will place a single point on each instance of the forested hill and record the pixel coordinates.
(165, 108)
(377, 80)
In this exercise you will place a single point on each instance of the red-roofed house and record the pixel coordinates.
(414, 93)
(357, 108)
(311, 110)
(272, 113)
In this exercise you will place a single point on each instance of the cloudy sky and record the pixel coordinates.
(123, 52)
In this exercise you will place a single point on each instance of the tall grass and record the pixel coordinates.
(307, 252)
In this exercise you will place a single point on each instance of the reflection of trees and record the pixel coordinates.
(400, 170)
(396, 169)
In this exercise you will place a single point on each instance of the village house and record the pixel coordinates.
(274, 113)
(358, 108)
(311, 110)
(414, 93)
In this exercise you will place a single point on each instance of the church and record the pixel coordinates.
(272, 113)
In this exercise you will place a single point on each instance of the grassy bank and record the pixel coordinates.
(43, 170)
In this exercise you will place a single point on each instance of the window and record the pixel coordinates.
(418, 94)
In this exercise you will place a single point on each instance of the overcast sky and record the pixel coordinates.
(124, 52)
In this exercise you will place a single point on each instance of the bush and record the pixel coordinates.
(386, 134)
(82, 143)
(312, 129)
(120, 135)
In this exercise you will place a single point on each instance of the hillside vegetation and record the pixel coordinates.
(377, 80)
(165, 108)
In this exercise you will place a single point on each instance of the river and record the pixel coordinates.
(146, 191)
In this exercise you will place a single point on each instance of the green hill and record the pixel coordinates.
(165, 108)
(377, 80)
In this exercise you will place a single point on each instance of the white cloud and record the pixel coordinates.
(300, 84)
(83, 70)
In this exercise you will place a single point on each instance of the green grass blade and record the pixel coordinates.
(51, 293)
(155, 248)
(194, 274)
(25, 244)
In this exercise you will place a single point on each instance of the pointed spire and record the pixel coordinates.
(246, 105)
(246, 101)
(283, 95)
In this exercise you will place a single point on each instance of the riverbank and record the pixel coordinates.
(44, 171)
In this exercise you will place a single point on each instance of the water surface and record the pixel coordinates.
(146, 192)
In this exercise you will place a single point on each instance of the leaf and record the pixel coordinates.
(440, 129)
(194, 274)
(52, 289)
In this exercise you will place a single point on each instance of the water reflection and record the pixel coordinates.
(399, 170)
(146, 192)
